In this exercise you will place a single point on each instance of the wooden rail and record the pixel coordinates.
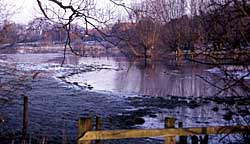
(169, 132)
(25, 119)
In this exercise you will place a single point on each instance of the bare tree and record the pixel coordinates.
(6, 27)
(172, 15)
(6, 11)
(223, 31)
(87, 12)
(151, 20)
(147, 28)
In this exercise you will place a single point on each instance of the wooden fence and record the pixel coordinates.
(86, 135)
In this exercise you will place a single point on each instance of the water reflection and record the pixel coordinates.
(118, 75)
(161, 80)
(156, 79)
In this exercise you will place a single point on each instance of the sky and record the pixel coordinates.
(26, 10)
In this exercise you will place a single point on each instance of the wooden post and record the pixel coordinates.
(192, 55)
(84, 125)
(169, 123)
(195, 140)
(204, 140)
(183, 139)
(25, 119)
(98, 127)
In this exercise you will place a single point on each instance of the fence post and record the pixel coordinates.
(195, 140)
(25, 119)
(169, 123)
(84, 125)
(204, 140)
(98, 127)
(183, 139)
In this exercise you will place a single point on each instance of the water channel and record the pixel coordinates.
(111, 87)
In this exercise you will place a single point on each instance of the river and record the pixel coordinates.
(113, 88)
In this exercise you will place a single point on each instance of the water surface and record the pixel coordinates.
(110, 87)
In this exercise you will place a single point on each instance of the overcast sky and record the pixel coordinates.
(26, 10)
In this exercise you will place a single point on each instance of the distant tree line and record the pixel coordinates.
(38, 30)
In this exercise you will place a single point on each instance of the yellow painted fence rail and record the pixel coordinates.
(85, 135)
